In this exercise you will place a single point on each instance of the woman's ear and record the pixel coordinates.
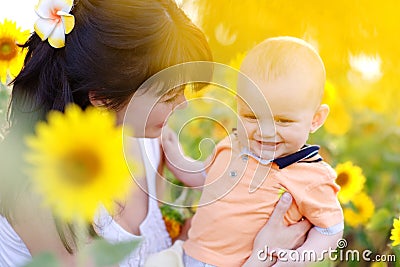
(94, 101)
(319, 117)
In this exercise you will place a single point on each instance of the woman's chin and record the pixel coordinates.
(154, 132)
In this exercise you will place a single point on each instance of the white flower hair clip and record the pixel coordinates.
(54, 21)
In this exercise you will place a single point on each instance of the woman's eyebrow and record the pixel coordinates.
(175, 90)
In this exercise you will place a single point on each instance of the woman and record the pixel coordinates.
(113, 48)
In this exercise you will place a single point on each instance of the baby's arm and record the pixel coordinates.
(316, 247)
(187, 170)
(319, 204)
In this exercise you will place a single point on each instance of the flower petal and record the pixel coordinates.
(44, 9)
(44, 27)
(68, 21)
(57, 37)
(3, 74)
(64, 5)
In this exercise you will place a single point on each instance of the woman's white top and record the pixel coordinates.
(13, 251)
(154, 236)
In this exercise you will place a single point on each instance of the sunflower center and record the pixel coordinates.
(360, 209)
(81, 167)
(8, 49)
(342, 179)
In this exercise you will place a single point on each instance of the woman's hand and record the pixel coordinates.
(275, 234)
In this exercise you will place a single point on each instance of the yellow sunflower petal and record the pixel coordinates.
(18, 64)
(361, 211)
(3, 75)
(395, 232)
(57, 37)
(44, 27)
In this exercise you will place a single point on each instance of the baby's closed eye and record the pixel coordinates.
(283, 120)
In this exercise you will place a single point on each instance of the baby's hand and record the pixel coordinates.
(185, 169)
(169, 141)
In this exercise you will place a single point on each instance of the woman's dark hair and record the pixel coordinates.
(114, 47)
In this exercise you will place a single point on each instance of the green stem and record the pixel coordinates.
(82, 236)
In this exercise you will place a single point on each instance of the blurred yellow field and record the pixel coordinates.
(359, 42)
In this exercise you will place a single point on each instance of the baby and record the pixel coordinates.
(279, 105)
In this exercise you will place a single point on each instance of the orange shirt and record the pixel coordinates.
(229, 216)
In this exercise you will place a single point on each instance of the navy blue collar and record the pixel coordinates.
(306, 152)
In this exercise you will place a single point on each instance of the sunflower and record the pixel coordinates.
(219, 132)
(11, 55)
(360, 211)
(77, 162)
(395, 233)
(351, 180)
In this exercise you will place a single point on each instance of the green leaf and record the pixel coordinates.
(380, 221)
(172, 213)
(44, 260)
(106, 254)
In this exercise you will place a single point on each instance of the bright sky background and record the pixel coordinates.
(21, 11)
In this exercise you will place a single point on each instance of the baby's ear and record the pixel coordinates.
(319, 117)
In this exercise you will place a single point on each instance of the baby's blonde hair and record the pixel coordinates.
(276, 56)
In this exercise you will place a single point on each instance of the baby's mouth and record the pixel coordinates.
(268, 145)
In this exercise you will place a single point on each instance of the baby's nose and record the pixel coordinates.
(267, 130)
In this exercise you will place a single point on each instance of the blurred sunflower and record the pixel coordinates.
(395, 233)
(351, 180)
(219, 132)
(360, 211)
(11, 55)
(77, 162)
